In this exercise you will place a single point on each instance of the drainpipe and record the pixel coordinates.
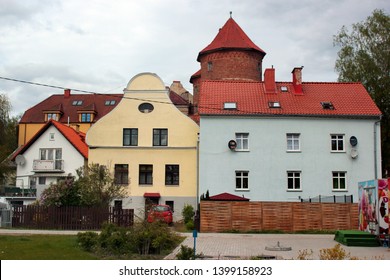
(197, 173)
(376, 147)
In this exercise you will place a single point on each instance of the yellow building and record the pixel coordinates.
(149, 145)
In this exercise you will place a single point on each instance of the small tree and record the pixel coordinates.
(94, 187)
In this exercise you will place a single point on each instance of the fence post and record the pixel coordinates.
(319, 198)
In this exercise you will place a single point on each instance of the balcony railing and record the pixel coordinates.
(48, 165)
(9, 191)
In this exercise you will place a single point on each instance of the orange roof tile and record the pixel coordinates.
(77, 139)
(230, 36)
(348, 99)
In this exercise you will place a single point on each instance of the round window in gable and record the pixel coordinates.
(145, 108)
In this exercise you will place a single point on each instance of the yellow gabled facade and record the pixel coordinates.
(150, 146)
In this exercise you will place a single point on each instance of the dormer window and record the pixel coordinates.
(77, 103)
(284, 89)
(52, 116)
(230, 106)
(109, 102)
(274, 104)
(327, 105)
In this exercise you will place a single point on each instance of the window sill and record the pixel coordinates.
(337, 152)
(242, 190)
(240, 151)
(172, 186)
(145, 185)
(300, 190)
(293, 151)
(335, 190)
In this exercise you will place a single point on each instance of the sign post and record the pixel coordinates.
(194, 235)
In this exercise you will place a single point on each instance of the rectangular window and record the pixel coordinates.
(121, 174)
(337, 143)
(172, 174)
(293, 142)
(42, 181)
(146, 174)
(86, 117)
(52, 116)
(160, 137)
(242, 140)
(339, 180)
(171, 204)
(242, 180)
(293, 180)
(130, 137)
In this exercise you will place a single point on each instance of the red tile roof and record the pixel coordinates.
(77, 139)
(59, 102)
(228, 197)
(177, 99)
(348, 99)
(230, 36)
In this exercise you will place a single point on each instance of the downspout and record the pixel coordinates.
(376, 148)
(197, 173)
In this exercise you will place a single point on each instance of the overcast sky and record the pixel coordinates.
(99, 45)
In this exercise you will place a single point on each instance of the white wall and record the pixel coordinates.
(71, 157)
(268, 160)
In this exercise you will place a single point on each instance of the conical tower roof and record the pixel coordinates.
(230, 36)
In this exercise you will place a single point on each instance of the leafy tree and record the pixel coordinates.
(364, 57)
(94, 186)
(8, 137)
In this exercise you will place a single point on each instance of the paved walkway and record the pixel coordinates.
(244, 246)
(278, 246)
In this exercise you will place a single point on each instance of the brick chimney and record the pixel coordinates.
(269, 80)
(297, 80)
(66, 93)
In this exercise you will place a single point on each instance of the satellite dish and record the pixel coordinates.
(232, 145)
(354, 153)
(20, 160)
(353, 140)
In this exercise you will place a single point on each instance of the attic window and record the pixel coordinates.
(274, 104)
(109, 102)
(230, 106)
(327, 105)
(77, 103)
(284, 89)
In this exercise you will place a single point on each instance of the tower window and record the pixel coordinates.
(209, 66)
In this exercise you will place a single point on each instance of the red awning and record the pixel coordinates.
(152, 195)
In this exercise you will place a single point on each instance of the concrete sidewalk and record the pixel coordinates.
(244, 246)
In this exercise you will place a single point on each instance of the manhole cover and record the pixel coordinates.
(278, 247)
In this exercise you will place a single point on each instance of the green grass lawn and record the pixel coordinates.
(42, 247)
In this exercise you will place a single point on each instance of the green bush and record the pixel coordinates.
(87, 240)
(143, 238)
(188, 213)
(186, 253)
(190, 225)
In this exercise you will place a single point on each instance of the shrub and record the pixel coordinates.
(186, 253)
(87, 240)
(188, 213)
(190, 225)
(335, 253)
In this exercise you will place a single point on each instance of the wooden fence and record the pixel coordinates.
(69, 217)
(220, 216)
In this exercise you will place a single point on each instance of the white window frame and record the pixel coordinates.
(242, 175)
(339, 175)
(293, 138)
(293, 175)
(337, 138)
(242, 140)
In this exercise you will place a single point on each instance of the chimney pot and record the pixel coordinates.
(67, 93)
(297, 80)
(269, 80)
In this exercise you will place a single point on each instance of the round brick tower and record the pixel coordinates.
(230, 56)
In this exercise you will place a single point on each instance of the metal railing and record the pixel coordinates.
(330, 198)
